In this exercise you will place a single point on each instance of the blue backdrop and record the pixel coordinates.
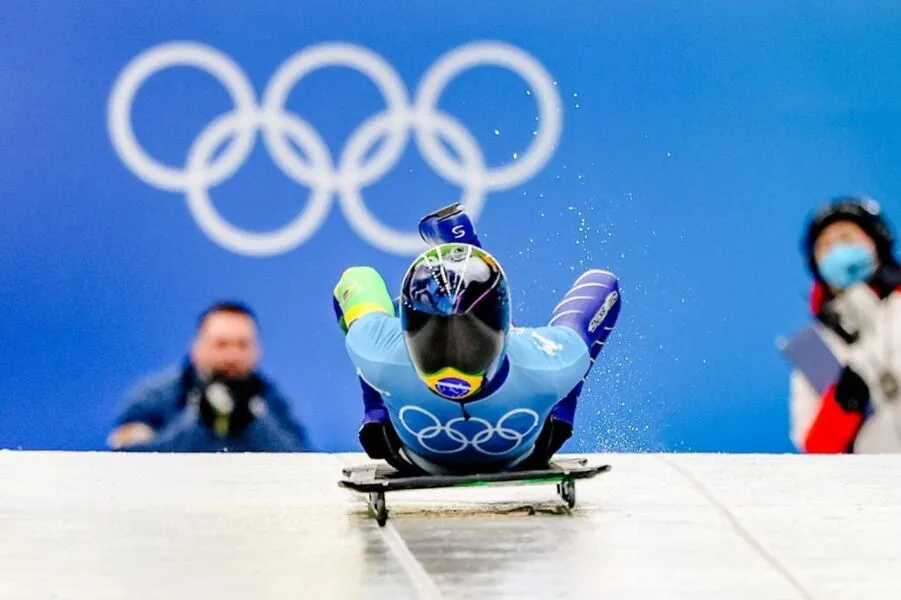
(693, 140)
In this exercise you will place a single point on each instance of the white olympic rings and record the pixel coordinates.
(432, 431)
(315, 168)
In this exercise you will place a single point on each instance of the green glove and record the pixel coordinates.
(360, 291)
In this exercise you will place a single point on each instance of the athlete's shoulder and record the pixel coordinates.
(376, 338)
(545, 348)
(376, 347)
(547, 360)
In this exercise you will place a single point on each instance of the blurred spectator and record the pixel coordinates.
(856, 301)
(215, 400)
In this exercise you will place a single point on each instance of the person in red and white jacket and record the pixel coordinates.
(856, 300)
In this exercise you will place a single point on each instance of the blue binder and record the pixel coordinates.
(809, 354)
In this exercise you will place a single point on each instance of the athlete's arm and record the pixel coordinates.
(590, 308)
(362, 304)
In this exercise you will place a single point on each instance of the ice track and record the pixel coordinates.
(94, 525)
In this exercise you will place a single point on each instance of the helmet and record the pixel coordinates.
(455, 316)
(862, 211)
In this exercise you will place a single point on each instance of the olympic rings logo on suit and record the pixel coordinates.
(478, 441)
(315, 168)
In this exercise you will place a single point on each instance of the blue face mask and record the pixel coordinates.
(847, 264)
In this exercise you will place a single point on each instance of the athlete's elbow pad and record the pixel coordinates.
(590, 308)
(360, 291)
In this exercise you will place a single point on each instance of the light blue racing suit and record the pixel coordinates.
(543, 365)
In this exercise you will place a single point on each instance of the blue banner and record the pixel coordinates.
(159, 155)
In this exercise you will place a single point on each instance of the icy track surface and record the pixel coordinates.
(85, 525)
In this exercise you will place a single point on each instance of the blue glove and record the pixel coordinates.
(450, 224)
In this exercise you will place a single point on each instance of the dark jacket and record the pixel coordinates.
(167, 403)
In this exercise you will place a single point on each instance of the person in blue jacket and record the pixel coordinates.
(215, 400)
(450, 385)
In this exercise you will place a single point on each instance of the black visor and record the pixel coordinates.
(462, 342)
